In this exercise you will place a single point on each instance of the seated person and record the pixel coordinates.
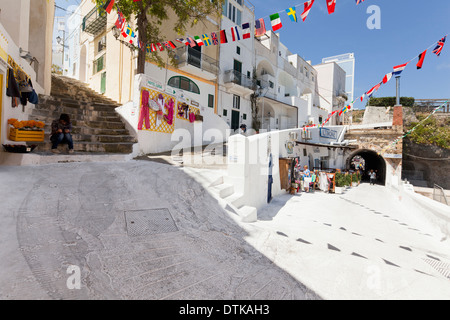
(61, 132)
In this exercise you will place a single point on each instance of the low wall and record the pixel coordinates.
(436, 213)
(185, 135)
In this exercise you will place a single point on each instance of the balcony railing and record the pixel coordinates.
(233, 76)
(189, 56)
(95, 21)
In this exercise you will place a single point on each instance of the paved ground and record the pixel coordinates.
(148, 230)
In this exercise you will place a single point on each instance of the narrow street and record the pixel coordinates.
(146, 230)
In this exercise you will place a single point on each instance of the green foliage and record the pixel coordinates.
(340, 180)
(431, 132)
(390, 101)
(153, 17)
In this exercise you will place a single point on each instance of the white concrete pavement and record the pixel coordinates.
(147, 230)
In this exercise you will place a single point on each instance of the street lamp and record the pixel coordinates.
(62, 43)
(116, 34)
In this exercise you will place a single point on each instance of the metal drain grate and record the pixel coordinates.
(441, 267)
(149, 222)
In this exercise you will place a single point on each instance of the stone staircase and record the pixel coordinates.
(97, 127)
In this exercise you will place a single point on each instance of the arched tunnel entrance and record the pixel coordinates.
(367, 160)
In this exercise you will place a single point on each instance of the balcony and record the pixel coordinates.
(239, 83)
(197, 63)
(95, 21)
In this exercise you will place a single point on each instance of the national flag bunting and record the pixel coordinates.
(108, 5)
(276, 22)
(214, 38)
(440, 46)
(260, 28)
(373, 90)
(246, 35)
(191, 42)
(331, 5)
(421, 59)
(387, 77)
(206, 40)
(399, 69)
(160, 47)
(359, 1)
(308, 5)
(199, 41)
(170, 45)
(120, 23)
(223, 36)
(235, 34)
(292, 13)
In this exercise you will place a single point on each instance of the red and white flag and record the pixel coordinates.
(421, 59)
(373, 90)
(308, 5)
(387, 77)
(331, 5)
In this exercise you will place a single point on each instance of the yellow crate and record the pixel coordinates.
(25, 135)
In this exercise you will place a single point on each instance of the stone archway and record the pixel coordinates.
(373, 161)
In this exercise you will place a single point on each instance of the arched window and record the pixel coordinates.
(184, 83)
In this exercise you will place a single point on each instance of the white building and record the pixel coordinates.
(25, 46)
(289, 95)
(237, 65)
(347, 63)
(331, 88)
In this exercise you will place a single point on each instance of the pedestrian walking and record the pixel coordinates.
(373, 177)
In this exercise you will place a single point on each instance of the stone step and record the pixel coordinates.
(85, 146)
(248, 214)
(87, 115)
(223, 190)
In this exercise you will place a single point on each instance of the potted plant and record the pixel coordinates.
(340, 181)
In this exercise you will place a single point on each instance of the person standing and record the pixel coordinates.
(373, 177)
(307, 179)
(61, 132)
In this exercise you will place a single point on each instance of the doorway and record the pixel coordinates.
(370, 160)
(235, 119)
(237, 67)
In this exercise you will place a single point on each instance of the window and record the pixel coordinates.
(271, 84)
(244, 116)
(236, 102)
(232, 13)
(238, 50)
(101, 44)
(249, 74)
(99, 64)
(184, 83)
(210, 101)
(225, 112)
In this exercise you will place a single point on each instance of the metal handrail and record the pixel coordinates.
(197, 59)
(240, 79)
(441, 195)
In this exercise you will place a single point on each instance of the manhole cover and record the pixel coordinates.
(148, 222)
(441, 267)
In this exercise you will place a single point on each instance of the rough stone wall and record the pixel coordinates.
(428, 162)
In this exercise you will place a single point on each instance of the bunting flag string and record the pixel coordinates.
(216, 37)
(260, 28)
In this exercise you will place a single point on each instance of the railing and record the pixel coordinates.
(233, 76)
(439, 194)
(197, 59)
(95, 21)
(427, 105)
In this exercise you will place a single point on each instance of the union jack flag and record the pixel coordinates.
(440, 46)
(214, 38)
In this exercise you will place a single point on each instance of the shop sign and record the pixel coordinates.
(327, 133)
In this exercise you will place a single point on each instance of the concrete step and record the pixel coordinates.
(248, 214)
(236, 199)
(80, 115)
(223, 190)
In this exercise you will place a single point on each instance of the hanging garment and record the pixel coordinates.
(13, 87)
(145, 112)
(191, 117)
(170, 112)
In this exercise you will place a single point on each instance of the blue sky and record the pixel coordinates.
(407, 28)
